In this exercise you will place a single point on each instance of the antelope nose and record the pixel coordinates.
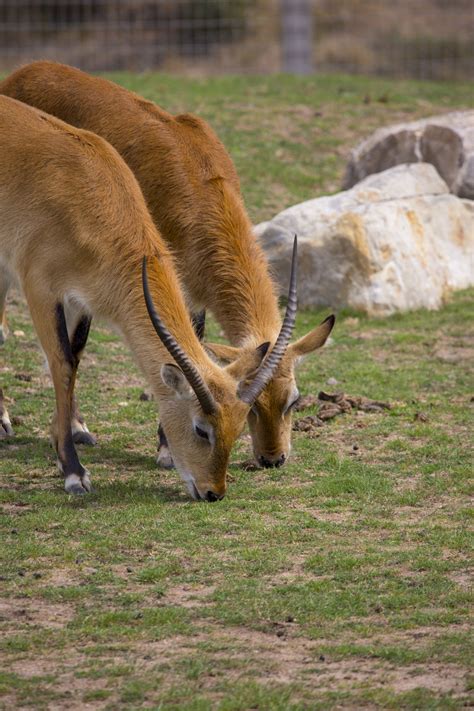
(280, 461)
(211, 496)
(270, 463)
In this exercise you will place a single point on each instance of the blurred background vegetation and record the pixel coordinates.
(423, 39)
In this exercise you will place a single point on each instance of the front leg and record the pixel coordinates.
(50, 323)
(78, 325)
(77, 334)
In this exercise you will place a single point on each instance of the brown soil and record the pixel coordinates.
(189, 596)
(35, 613)
(274, 656)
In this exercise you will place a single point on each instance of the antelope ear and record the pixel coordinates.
(313, 340)
(228, 354)
(174, 378)
(249, 360)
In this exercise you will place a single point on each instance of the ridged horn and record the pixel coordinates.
(249, 393)
(190, 371)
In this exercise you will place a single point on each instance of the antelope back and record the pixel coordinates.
(188, 180)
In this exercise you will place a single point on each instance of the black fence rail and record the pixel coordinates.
(412, 38)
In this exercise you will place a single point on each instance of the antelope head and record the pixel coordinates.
(271, 406)
(270, 418)
(205, 406)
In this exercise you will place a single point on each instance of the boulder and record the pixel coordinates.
(398, 240)
(447, 142)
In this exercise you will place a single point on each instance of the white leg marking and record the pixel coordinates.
(78, 426)
(74, 484)
(6, 429)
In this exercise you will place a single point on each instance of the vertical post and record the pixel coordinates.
(296, 36)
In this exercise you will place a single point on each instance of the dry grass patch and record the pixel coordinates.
(22, 613)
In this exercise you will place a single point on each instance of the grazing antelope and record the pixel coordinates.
(193, 193)
(75, 231)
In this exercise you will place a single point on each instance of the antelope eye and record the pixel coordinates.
(201, 433)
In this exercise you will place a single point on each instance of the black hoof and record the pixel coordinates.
(81, 437)
(77, 490)
(6, 429)
(78, 485)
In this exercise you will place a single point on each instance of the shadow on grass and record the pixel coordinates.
(116, 493)
(31, 449)
(28, 452)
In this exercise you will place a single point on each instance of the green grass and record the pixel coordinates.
(339, 581)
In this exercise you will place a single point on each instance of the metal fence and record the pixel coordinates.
(412, 38)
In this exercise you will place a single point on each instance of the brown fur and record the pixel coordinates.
(192, 190)
(74, 229)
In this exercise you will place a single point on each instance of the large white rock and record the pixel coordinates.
(446, 141)
(398, 240)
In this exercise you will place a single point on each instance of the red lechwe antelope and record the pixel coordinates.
(75, 231)
(193, 193)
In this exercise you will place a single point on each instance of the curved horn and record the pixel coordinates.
(250, 392)
(190, 371)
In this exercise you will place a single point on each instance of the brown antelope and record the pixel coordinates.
(75, 232)
(193, 193)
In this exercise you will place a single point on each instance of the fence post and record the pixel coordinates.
(296, 36)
